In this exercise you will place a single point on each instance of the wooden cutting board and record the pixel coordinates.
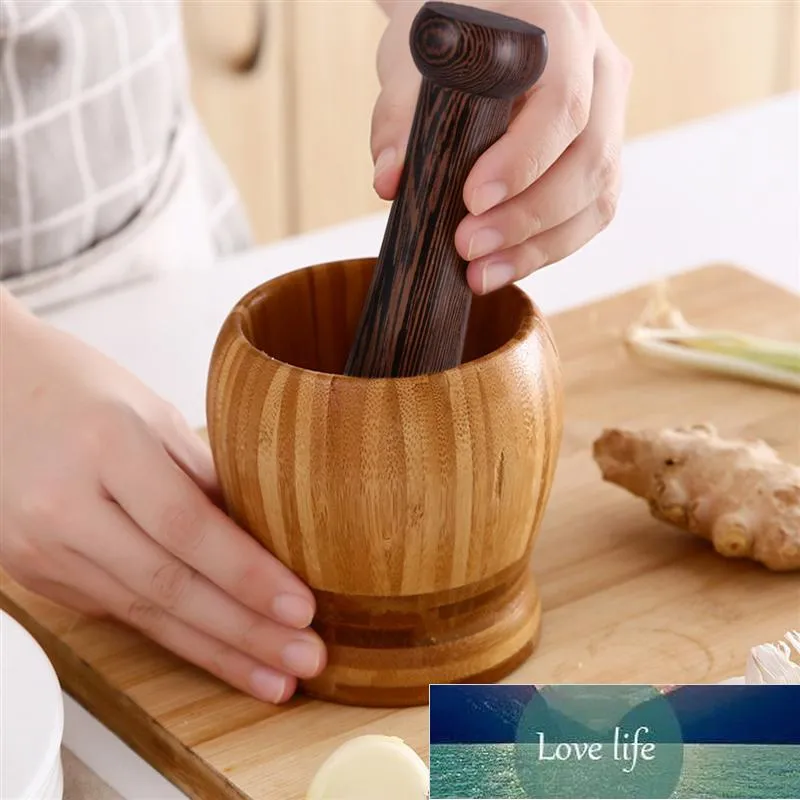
(626, 599)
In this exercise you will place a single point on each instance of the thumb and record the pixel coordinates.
(391, 125)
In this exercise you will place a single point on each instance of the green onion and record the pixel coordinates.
(663, 333)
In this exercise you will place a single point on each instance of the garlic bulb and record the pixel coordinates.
(371, 767)
(775, 663)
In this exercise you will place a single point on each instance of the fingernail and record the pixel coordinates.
(488, 196)
(293, 610)
(301, 658)
(268, 685)
(485, 241)
(385, 160)
(495, 276)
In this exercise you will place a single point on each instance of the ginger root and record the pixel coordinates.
(738, 494)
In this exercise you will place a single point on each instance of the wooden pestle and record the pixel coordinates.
(474, 64)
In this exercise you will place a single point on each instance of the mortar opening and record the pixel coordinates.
(308, 318)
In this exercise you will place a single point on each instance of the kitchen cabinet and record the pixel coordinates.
(335, 89)
(695, 58)
(237, 58)
(294, 129)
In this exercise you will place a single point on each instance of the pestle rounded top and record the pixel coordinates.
(477, 51)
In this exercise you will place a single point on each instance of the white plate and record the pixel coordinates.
(31, 718)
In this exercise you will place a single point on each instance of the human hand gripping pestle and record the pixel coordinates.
(474, 65)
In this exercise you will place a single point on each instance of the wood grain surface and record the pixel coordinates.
(409, 505)
(247, 116)
(625, 598)
(474, 64)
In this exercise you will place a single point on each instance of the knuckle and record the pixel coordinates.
(180, 528)
(534, 224)
(529, 168)
(172, 417)
(524, 223)
(577, 104)
(219, 661)
(607, 207)
(253, 580)
(145, 616)
(532, 257)
(388, 117)
(607, 165)
(382, 110)
(104, 432)
(625, 67)
(170, 583)
(251, 637)
(585, 12)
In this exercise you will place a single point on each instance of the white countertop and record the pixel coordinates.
(724, 189)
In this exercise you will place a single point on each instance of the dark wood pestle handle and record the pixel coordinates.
(474, 64)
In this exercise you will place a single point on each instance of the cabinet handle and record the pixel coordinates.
(249, 63)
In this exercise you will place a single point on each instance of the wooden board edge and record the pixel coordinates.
(721, 269)
(145, 736)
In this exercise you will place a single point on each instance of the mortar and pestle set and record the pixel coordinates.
(387, 436)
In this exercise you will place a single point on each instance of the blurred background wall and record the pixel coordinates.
(286, 87)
